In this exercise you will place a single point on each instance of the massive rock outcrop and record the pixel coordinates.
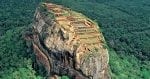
(68, 43)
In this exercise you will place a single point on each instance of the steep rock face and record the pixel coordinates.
(67, 43)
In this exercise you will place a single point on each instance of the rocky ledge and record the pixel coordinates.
(68, 43)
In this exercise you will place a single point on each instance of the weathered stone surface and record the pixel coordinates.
(67, 43)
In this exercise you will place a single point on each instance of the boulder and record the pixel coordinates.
(66, 42)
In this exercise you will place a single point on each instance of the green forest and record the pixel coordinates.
(125, 25)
